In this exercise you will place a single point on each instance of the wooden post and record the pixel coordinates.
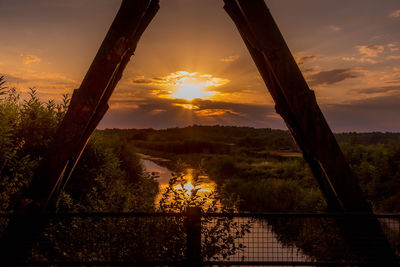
(193, 236)
(87, 108)
(297, 105)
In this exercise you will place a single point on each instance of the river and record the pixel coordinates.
(261, 243)
(190, 178)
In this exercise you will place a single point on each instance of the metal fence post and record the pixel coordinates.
(193, 236)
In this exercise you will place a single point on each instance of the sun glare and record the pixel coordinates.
(189, 187)
(189, 85)
(192, 90)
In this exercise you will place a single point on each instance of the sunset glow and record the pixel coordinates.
(188, 85)
(188, 70)
(191, 90)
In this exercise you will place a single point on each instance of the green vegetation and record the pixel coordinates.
(264, 168)
(378, 169)
(219, 234)
(109, 176)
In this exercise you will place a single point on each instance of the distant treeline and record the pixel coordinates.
(241, 136)
(201, 138)
(370, 138)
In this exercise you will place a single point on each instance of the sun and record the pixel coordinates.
(189, 85)
(192, 90)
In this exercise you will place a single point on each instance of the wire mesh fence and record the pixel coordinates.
(208, 239)
(304, 239)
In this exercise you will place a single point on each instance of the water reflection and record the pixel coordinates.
(192, 180)
(162, 174)
(189, 180)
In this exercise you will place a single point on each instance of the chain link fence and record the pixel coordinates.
(204, 239)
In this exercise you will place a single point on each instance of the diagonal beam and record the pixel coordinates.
(103, 103)
(297, 105)
(88, 106)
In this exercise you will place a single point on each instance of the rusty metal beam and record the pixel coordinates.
(297, 105)
(87, 108)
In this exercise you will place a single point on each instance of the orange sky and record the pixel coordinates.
(191, 65)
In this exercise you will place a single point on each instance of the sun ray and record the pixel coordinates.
(188, 86)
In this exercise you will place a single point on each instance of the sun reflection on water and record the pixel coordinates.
(191, 181)
(191, 185)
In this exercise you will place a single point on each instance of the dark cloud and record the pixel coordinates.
(332, 76)
(147, 114)
(305, 59)
(372, 114)
(308, 70)
(158, 79)
(142, 81)
(12, 78)
(52, 82)
(375, 90)
(149, 81)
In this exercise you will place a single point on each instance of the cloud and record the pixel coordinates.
(229, 58)
(334, 28)
(10, 78)
(395, 14)
(375, 112)
(371, 114)
(40, 78)
(142, 80)
(216, 112)
(332, 76)
(380, 90)
(369, 54)
(186, 106)
(372, 53)
(48, 84)
(30, 59)
(163, 113)
(123, 105)
(305, 59)
(393, 47)
(183, 84)
(371, 50)
(157, 111)
(361, 60)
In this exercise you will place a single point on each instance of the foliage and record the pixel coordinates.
(108, 177)
(283, 186)
(219, 235)
(257, 163)
(378, 170)
(258, 167)
(25, 131)
(101, 183)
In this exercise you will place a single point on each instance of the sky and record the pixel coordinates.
(192, 67)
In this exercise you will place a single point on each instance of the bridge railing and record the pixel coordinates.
(203, 239)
